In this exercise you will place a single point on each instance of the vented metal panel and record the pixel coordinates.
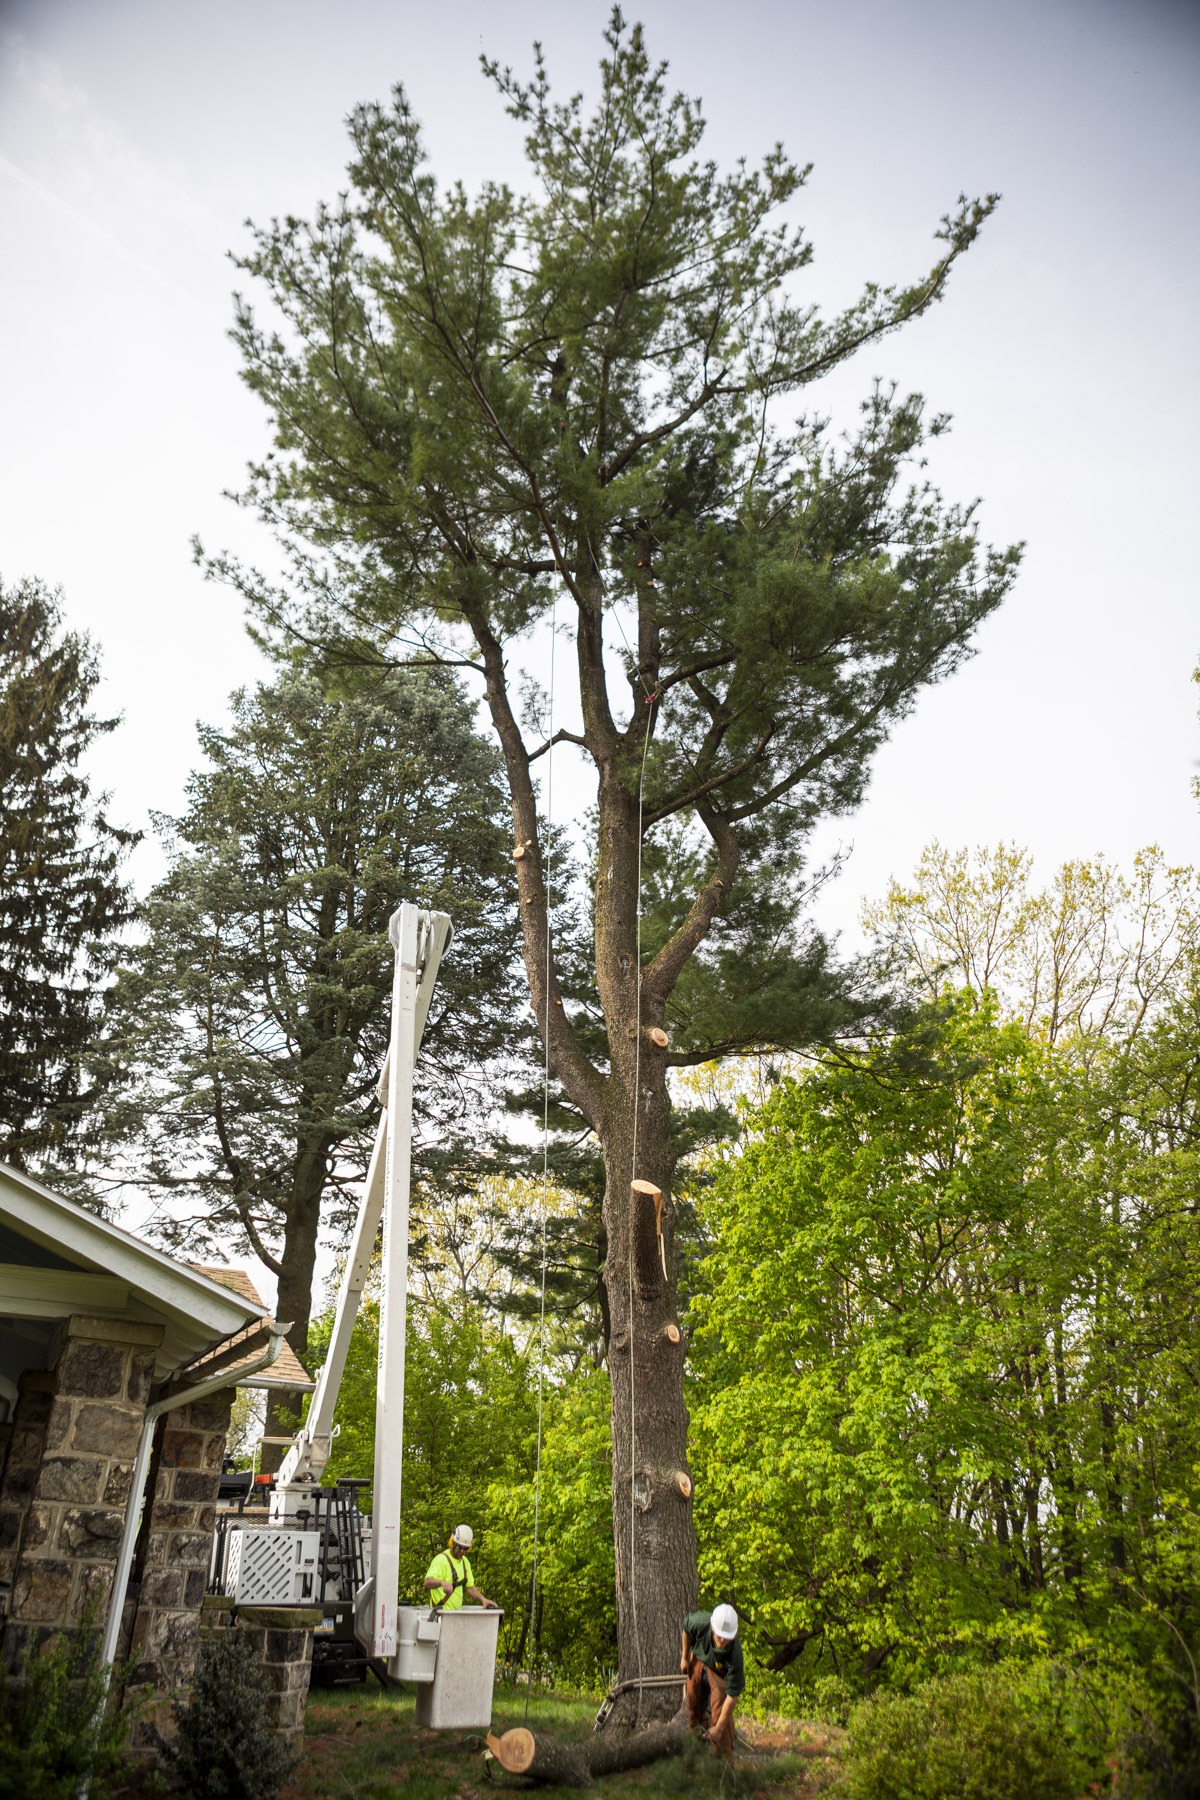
(272, 1567)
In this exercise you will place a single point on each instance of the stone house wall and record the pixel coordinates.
(282, 1636)
(23, 1459)
(67, 1475)
(64, 1487)
(172, 1561)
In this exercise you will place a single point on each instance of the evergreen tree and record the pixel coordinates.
(63, 904)
(255, 1014)
(582, 408)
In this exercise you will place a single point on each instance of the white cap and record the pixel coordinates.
(724, 1622)
(464, 1537)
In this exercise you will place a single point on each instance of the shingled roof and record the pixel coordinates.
(286, 1372)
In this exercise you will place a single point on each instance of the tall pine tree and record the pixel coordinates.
(62, 901)
(585, 409)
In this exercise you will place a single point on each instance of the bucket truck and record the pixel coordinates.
(292, 1552)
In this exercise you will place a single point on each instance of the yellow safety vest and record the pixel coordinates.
(445, 1568)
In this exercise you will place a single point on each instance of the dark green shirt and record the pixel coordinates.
(726, 1663)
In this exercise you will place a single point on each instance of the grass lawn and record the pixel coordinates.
(363, 1744)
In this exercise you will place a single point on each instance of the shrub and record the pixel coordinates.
(58, 1734)
(833, 1699)
(1153, 1728)
(223, 1747)
(986, 1734)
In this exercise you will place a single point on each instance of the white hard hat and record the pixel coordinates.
(464, 1536)
(724, 1622)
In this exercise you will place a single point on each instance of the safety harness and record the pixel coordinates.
(460, 1581)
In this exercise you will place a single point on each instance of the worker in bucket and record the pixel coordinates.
(450, 1573)
(711, 1659)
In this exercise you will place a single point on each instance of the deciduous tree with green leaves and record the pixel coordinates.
(584, 409)
(888, 1245)
(470, 1425)
(944, 1397)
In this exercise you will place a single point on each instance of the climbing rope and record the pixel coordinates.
(637, 1107)
(650, 699)
(537, 1478)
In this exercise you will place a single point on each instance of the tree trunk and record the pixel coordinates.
(523, 1752)
(653, 1535)
(294, 1301)
(1116, 1519)
(651, 1486)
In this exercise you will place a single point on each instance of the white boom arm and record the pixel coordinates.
(420, 940)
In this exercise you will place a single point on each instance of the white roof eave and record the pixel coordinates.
(61, 1226)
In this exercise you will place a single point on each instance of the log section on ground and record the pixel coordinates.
(576, 1765)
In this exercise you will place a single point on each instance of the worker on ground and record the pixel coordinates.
(450, 1573)
(711, 1659)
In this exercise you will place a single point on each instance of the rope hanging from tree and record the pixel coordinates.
(637, 1066)
(537, 1478)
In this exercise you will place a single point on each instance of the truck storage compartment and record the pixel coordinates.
(417, 1635)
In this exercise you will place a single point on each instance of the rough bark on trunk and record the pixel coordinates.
(653, 1532)
(294, 1300)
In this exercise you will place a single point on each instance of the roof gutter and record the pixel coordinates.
(141, 1465)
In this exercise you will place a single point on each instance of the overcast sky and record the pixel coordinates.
(137, 136)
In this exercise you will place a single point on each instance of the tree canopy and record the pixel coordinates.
(483, 407)
(254, 1014)
(945, 1390)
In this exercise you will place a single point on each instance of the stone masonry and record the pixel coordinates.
(6, 1431)
(18, 1474)
(172, 1562)
(283, 1638)
(68, 1472)
(64, 1490)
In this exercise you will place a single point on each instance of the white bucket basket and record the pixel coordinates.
(459, 1698)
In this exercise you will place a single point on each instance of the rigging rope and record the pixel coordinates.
(637, 1104)
(537, 1478)
(637, 1068)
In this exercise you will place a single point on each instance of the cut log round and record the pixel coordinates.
(514, 1751)
(521, 1753)
(658, 1036)
(541, 1758)
(671, 1333)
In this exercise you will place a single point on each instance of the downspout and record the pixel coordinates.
(141, 1465)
